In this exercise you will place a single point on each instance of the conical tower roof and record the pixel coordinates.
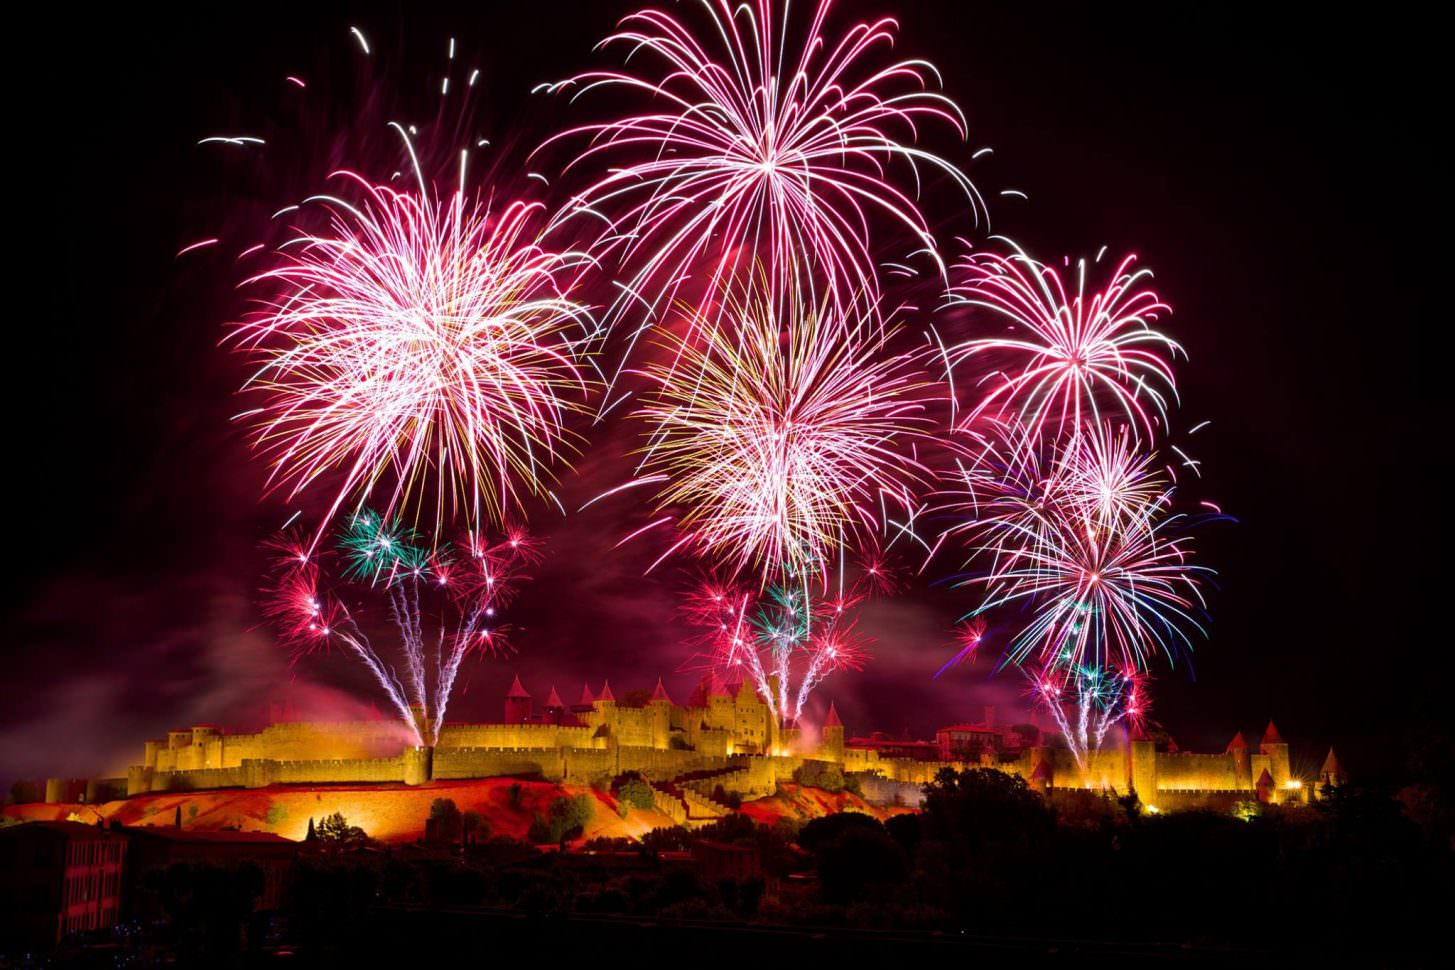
(586, 697)
(660, 692)
(516, 690)
(606, 694)
(1239, 743)
(554, 700)
(1332, 766)
(833, 717)
(1271, 736)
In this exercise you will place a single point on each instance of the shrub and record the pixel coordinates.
(566, 818)
(731, 799)
(824, 775)
(336, 830)
(635, 792)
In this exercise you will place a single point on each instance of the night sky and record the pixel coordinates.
(1275, 173)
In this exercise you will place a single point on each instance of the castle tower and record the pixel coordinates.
(661, 708)
(719, 704)
(1040, 778)
(419, 719)
(1276, 749)
(555, 708)
(1331, 775)
(1142, 764)
(1042, 775)
(517, 704)
(606, 696)
(1264, 787)
(832, 746)
(418, 765)
(1242, 762)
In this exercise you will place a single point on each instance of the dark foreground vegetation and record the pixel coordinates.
(988, 863)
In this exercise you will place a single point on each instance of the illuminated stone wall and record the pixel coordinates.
(206, 748)
(731, 740)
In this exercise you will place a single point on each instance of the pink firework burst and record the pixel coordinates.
(1071, 354)
(464, 586)
(782, 639)
(764, 140)
(422, 343)
(779, 449)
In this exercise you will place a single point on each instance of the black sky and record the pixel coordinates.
(1277, 171)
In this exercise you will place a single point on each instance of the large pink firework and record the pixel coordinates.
(779, 450)
(1092, 544)
(1071, 353)
(1008, 487)
(418, 343)
(1079, 533)
(764, 141)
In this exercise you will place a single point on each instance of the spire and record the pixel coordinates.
(833, 718)
(660, 692)
(1239, 743)
(555, 699)
(606, 694)
(1332, 768)
(516, 690)
(586, 698)
(1271, 736)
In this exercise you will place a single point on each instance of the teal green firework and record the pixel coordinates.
(378, 550)
(784, 616)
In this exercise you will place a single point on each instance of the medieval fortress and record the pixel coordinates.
(723, 736)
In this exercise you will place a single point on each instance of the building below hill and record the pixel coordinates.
(57, 879)
(723, 739)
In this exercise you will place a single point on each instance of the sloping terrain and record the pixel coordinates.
(397, 813)
(390, 813)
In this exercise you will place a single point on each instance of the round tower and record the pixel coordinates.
(1142, 764)
(1264, 787)
(517, 704)
(1042, 776)
(1276, 749)
(1040, 779)
(555, 709)
(1331, 775)
(832, 748)
(418, 765)
(660, 705)
(1242, 762)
